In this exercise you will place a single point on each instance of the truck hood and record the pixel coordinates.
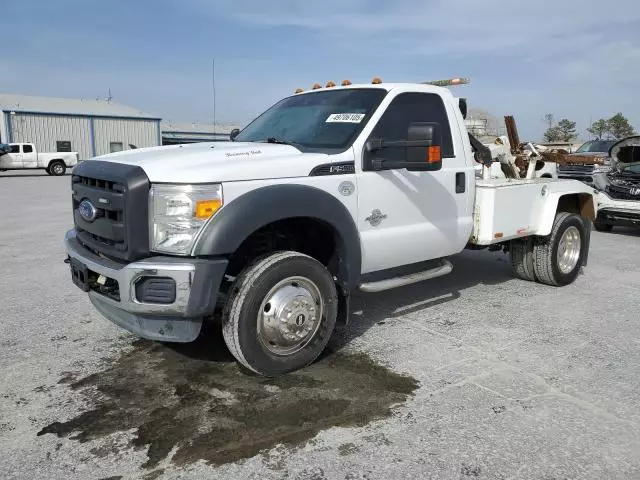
(219, 162)
(626, 152)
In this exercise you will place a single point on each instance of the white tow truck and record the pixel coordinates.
(339, 189)
(25, 156)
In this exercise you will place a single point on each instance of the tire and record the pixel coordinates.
(521, 259)
(254, 319)
(600, 226)
(547, 266)
(57, 168)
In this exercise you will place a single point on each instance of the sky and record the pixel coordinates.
(577, 59)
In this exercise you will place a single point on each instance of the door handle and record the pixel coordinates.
(461, 182)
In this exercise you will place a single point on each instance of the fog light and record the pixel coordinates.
(159, 290)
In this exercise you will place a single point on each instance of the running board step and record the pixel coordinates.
(396, 282)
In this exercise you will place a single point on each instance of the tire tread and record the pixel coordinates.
(239, 291)
(543, 252)
(521, 259)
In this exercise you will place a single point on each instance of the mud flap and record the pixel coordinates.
(344, 304)
(587, 230)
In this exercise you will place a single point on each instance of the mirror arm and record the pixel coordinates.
(381, 164)
(379, 144)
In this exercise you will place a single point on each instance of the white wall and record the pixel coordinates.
(141, 133)
(4, 135)
(45, 130)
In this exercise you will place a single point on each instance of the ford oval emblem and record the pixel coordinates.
(87, 211)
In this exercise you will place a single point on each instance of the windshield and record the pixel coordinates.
(330, 119)
(596, 146)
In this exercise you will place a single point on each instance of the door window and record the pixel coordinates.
(115, 147)
(27, 149)
(15, 148)
(405, 109)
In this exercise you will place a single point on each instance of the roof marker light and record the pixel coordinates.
(331, 84)
(299, 90)
(346, 83)
(376, 80)
(316, 86)
(449, 82)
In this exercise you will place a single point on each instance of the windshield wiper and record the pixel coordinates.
(280, 141)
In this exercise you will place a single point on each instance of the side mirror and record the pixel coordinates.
(423, 135)
(419, 153)
(234, 133)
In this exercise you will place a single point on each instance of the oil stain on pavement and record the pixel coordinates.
(196, 400)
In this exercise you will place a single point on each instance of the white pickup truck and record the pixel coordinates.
(24, 156)
(345, 188)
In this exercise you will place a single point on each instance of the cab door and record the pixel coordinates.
(407, 217)
(13, 159)
(29, 156)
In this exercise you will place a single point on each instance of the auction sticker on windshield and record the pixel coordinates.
(345, 118)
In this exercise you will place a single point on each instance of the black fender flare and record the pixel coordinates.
(236, 221)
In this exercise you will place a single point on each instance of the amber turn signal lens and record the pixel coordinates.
(206, 208)
(433, 155)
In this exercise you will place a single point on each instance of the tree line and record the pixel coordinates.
(614, 128)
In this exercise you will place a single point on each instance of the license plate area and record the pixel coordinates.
(79, 274)
(88, 280)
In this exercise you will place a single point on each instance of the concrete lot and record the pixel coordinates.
(488, 377)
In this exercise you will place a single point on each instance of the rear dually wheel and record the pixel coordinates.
(559, 257)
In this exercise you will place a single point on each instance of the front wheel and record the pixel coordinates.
(559, 257)
(280, 313)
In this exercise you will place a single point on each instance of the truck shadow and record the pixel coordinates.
(469, 270)
(18, 174)
(627, 231)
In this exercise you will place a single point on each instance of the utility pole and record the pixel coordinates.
(213, 82)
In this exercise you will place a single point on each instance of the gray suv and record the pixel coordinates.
(594, 175)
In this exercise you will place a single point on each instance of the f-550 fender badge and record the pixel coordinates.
(346, 188)
(376, 218)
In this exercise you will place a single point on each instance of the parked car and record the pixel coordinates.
(24, 156)
(619, 203)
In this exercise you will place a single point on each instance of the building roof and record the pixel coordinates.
(198, 128)
(70, 106)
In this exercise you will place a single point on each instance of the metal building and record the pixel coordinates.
(176, 133)
(89, 127)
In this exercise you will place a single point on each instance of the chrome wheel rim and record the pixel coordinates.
(57, 168)
(290, 315)
(569, 250)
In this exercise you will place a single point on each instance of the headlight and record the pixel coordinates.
(604, 168)
(178, 213)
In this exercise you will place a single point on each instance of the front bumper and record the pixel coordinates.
(597, 180)
(197, 282)
(618, 212)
